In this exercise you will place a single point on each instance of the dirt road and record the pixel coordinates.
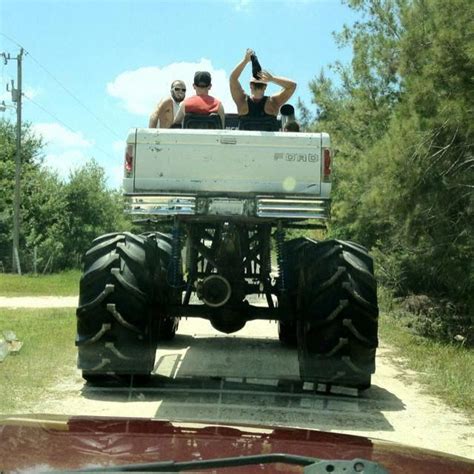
(249, 377)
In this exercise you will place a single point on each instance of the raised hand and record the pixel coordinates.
(248, 54)
(266, 76)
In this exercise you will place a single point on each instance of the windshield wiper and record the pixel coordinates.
(312, 465)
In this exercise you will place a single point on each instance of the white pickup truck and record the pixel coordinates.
(215, 203)
(261, 174)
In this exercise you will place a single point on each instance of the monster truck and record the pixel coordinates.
(218, 205)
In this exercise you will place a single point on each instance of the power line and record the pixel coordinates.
(73, 96)
(12, 40)
(55, 117)
(64, 88)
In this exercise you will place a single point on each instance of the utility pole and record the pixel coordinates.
(16, 97)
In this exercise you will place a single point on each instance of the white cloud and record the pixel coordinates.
(66, 161)
(118, 146)
(242, 5)
(64, 149)
(31, 92)
(139, 90)
(114, 175)
(55, 134)
(6, 96)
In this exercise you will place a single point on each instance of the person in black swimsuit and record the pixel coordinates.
(257, 104)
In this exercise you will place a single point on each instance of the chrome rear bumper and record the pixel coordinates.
(268, 207)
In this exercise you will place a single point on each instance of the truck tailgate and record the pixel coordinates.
(226, 161)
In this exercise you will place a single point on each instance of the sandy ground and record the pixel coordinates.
(204, 375)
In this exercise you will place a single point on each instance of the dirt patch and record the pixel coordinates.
(16, 302)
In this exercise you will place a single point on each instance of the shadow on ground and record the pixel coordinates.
(201, 379)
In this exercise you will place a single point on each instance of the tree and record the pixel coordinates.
(92, 210)
(31, 162)
(58, 220)
(401, 122)
(44, 211)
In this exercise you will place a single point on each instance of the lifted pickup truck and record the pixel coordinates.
(218, 202)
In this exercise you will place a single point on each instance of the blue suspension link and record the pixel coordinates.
(175, 264)
(280, 239)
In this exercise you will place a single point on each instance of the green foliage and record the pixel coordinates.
(46, 358)
(92, 210)
(44, 220)
(446, 369)
(65, 283)
(402, 125)
(305, 117)
(59, 219)
(31, 162)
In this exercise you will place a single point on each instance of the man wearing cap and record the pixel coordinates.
(163, 115)
(257, 104)
(201, 103)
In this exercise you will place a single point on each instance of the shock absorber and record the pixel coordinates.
(279, 239)
(265, 256)
(175, 263)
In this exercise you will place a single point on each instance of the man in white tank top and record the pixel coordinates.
(163, 115)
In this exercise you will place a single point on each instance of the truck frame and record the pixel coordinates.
(217, 206)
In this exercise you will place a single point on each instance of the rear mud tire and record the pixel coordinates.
(287, 333)
(116, 330)
(166, 326)
(337, 314)
(287, 329)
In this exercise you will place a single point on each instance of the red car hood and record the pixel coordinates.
(43, 443)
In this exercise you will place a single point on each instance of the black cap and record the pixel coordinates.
(202, 79)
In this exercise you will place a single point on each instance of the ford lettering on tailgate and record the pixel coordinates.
(298, 157)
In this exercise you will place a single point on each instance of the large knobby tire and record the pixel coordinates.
(337, 313)
(166, 326)
(287, 329)
(116, 324)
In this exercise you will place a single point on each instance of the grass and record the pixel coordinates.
(59, 284)
(446, 370)
(48, 354)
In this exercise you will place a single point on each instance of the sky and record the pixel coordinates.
(93, 69)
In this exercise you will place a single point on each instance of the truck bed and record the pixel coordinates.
(226, 162)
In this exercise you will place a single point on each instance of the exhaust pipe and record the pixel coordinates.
(214, 291)
(287, 112)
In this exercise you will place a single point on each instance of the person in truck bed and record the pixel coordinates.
(257, 104)
(163, 115)
(292, 127)
(202, 103)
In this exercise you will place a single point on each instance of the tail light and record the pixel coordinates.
(129, 160)
(326, 164)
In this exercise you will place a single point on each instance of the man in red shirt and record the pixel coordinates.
(201, 103)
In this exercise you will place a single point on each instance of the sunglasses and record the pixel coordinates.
(179, 89)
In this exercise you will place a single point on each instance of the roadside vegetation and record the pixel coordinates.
(59, 217)
(445, 369)
(48, 355)
(57, 284)
(401, 120)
